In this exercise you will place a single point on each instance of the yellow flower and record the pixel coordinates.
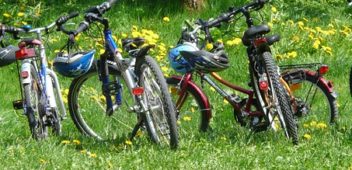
(92, 155)
(295, 38)
(166, 19)
(313, 123)
(292, 54)
(220, 41)
(209, 46)
(24, 22)
(178, 122)
(311, 35)
(212, 89)
(65, 142)
(20, 14)
(164, 69)
(300, 24)
(270, 24)
(139, 133)
(65, 100)
(101, 51)
(306, 125)
(7, 15)
(316, 44)
(83, 151)
(187, 118)
(128, 142)
(327, 49)
(124, 35)
(273, 9)
(76, 142)
(225, 101)
(192, 109)
(307, 136)
(321, 125)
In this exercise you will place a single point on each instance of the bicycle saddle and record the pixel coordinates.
(132, 43)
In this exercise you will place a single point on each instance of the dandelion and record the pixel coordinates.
(128, 142)
(313, 123)
(76, 142)
(307, 136)
(292, 54)
(7, 15)
(139, 133)
(212, 89)
(164, 69)
(273, 9)
(24, 22)
(225, 101)
(92, 155)
(209, 46)
(311, 35)
(20, 14)
(187, 118)
(65, 142)
(101, 51)
(327, 49)
(316, 44)
(83, 151)
(321, 125)
(220, 41)
(166, 19)
(306, 125)
(270, 24)
(178, 122)
(295, 38)
(124, 35)
(300, 25)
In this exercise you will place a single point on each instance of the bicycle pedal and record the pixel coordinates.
(112, 88)
(17, 104)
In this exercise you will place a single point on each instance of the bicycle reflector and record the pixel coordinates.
(323, 69)
(24, 53)
(260, 41)
(263, 85)
(137, 91)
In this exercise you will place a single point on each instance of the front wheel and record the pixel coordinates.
(273, 100)
(160, 119)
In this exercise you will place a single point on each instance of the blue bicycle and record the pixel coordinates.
(117, 84)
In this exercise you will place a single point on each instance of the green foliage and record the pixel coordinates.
(227, 146)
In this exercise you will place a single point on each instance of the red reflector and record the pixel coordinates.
(137, 91)
(260, 41)
(24, 74)
(323, 69)
(24, 53)
(263, 85)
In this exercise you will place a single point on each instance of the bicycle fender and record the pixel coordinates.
(26, 67)
(326, 83)
(204, 98)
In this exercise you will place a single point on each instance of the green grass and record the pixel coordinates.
(227, 146)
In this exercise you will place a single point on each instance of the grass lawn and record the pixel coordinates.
(311, 31)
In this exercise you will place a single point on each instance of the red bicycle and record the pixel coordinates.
(267, 104)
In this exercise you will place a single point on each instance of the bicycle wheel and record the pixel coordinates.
(275, 101)
(312, 96)
(161, 119)
(192, 111)
(33, 107)
(87, 106)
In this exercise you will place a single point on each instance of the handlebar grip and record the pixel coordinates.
(82, 27)
(65, 18)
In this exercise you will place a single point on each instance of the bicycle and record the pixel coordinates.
(40, 90)
(268, 99)
(312, 95)
(137, 78)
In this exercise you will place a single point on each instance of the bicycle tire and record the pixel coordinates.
(32, 99)
(161, 125)
(87, 107)
(203, 123)
(309, 82)
(285, 113)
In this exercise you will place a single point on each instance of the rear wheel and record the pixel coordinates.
(33, 108)
(313, 101)
(161, 118)
(274, 101)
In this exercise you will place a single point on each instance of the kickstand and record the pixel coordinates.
(136, 128)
